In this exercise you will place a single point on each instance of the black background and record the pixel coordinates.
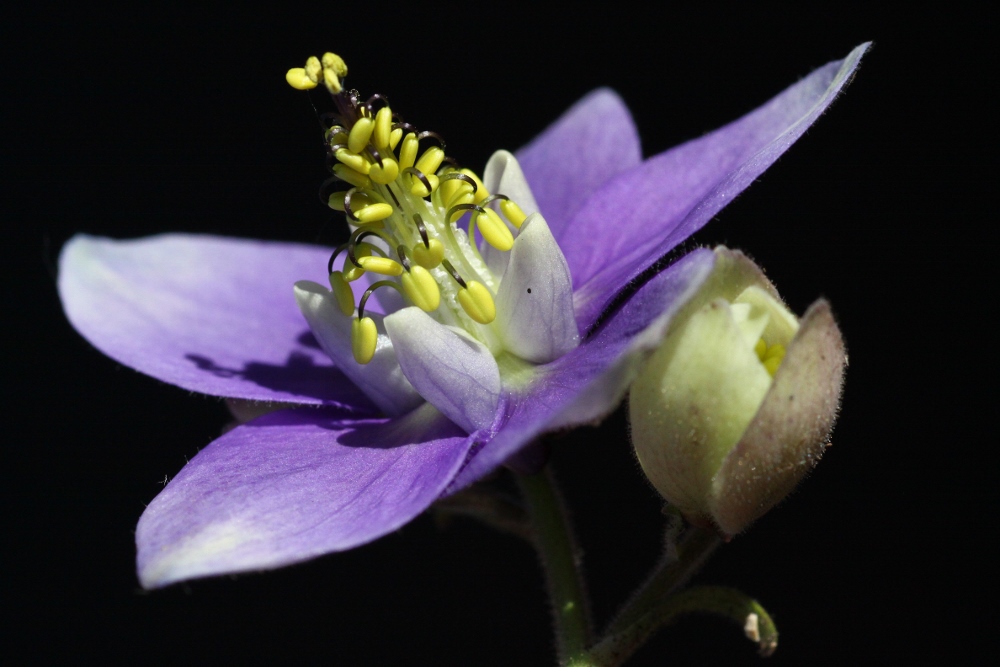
(134, 123)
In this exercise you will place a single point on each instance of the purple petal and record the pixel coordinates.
(212, 315)
(451, 370)
(590, 381)
(590, 144)
(643, 214)
(294, 485)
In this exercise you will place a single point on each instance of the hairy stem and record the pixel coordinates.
(559, 554)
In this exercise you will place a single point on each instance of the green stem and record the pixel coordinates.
(561, 561)
(719, 600)
(669, 575)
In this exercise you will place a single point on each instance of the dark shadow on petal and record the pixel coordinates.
(307, 339)
(300, 375)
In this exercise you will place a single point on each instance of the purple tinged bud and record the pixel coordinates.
(722, 424)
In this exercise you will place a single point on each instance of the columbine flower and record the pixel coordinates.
(420, 401)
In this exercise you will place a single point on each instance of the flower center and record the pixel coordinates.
(403, 198)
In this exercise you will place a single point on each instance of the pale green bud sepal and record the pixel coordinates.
(717, 436)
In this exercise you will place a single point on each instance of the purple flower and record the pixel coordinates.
(359, 450)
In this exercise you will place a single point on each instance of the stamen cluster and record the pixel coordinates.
(403, 203)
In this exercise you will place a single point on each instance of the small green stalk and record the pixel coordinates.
(559, 554)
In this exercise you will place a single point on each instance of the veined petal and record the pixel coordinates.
(208, 314)
(589, 145)
(503, 175)
(293, 485)
(642, 215)
(381, 379)
(535, 300)
(454, 372)
(591, 380)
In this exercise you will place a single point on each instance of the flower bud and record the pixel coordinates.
(738, 402)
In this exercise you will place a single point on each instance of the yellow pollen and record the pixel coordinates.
(494, 230)
(385, 174)
(430, 160)
(345, 173)
(352, 272)
(383, 128)
(394, 137)
(364, 338)
(342, 291)
(430, 255)
(372, 213)
(418, 189)
(381, 265)
(408, 152)
(313, 69)
(355, 162)
(360, 134)
(421, 289)
(298, 79)
(477, 302)
(512, 212)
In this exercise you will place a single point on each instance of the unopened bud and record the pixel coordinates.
(738, 402)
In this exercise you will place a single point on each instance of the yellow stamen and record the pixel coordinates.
(336, 201)
(421, 288)
(360, 134)
(512, 212)
(372, 212)
(345, 173)
(494, 230)
(351, 271)
(430, 160)
(386, 173)
(381, 265)
(408, 152)
(481, 191)
(430, 255)
(313, 68)
(356, 162)
(364, 338)
(297, 79)
(760, 348)
(477, 302)
(418, 189)
(394, 137)
(342, 291)
(383, 128)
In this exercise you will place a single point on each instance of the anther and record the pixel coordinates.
(383, 128)
(457, 188)
(510, 210)
(342, 291)
(477, 302)
(430, 160)
(428, 255)
(481, 192)
(408, 151)
(356, 162)
(348, 175)
(421, 289)
(364, 339)
(425, 183)
(336, 201)
(298, 79)
(360, 134)
(313, 68)
(364, 208)
(494, 230)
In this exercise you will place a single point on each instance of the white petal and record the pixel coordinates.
(535, 317)
(381, 379)
(503, 175)
(452, 371)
